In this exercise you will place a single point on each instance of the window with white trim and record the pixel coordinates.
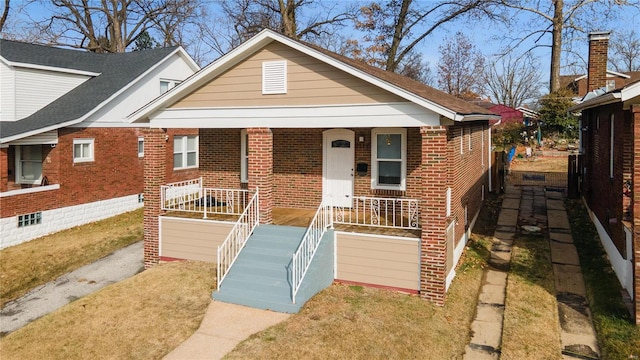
(274, 77)
(82, 150)
(185, 151)
(611, 148)
(166, 85)
(28, 164)
(244, 156)
(140, 146)
(388, 158)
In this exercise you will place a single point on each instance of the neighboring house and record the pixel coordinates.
(579, 86)
(610, 147)
(507, 114)
(302, 129)
(67, 154)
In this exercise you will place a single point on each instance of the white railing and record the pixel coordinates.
(230, 249)
(190, 196)
(380, 212)
(301, 260)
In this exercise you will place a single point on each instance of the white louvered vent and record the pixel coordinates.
(274, 77)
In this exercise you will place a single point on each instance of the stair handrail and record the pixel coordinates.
(302, 257)
(229, 250)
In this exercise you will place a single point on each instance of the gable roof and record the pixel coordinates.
(435, 100)
(115, 72)
(628, 93)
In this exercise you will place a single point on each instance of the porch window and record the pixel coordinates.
(185, 151)
(82, 150)
(388, 159)
(244, 156)
(28, 164)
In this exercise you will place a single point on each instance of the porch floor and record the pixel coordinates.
(302, 218)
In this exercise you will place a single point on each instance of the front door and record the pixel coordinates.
(338, 166)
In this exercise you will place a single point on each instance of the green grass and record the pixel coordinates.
(618, 336)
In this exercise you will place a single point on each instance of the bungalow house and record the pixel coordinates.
(67, 154)
(327, 167)
(610, 166)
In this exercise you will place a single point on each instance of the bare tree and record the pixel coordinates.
(512, 81)
(563, 20)
(5, 13)
(112, 25)
(394, 29)
(460, 67)
(625, 51)
(300, 19)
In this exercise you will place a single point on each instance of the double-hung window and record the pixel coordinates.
(82, 150)
(28, 164)
(185, 151)
(388, 158)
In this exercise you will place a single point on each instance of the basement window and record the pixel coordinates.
(274, 77)
(29, 219)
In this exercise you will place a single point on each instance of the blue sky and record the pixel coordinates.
(484, 34)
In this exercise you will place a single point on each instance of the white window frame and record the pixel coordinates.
(374, 158)
(140, 141)
(170, 84)
(448, 197)
(185, 152)
(274, 77)
(611, 147)
(19, 161)
(83, 157)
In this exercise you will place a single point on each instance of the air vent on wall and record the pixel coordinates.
(274, 77)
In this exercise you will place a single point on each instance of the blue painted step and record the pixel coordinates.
(260, 277)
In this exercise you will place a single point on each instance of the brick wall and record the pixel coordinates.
(604, 194)
(181, 174)
(635, 111)
(4, 167)
(261, 169)
(115, 172)
(220, 157)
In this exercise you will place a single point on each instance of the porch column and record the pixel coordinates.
(155, 148)
(635, 112)
(261, 169)
(433, 256)
(4, 169)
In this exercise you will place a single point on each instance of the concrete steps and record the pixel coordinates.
(260, 277)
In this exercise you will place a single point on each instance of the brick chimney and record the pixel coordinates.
(598, 48)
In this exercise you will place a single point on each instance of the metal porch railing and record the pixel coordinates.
(191, 196)
(380, 212)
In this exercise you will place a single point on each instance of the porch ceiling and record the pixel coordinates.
(321, 116)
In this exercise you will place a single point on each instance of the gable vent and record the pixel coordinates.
(274, 77)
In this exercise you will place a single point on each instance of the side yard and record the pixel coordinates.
(28, 265)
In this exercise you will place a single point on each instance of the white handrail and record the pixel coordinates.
(322, 220)
(230, 249)
(191, 196)
(380, 212)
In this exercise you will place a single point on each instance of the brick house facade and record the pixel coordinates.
(610, 130)
(445, 143)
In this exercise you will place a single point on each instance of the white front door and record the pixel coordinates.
(339, 148)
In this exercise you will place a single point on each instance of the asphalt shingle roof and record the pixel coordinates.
(116, 72)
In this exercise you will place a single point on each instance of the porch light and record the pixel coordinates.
(388, 140)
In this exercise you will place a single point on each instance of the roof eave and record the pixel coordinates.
(604, 99)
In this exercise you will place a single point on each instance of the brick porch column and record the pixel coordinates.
(155, 147)
(4, 169)
(261, 169)
(635, 110)
(433, 214)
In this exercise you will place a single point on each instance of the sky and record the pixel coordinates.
(488, 37)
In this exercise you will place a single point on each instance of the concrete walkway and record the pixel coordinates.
(522, 207)
(223, 327)
(53, 295)
(486, 328)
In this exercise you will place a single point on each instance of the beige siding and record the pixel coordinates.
(310, 82)
(384, 261)
(192, 239)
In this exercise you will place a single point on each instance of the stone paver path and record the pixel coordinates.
(577, 335)
(487, 326)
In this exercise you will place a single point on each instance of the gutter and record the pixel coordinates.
(608, 98)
